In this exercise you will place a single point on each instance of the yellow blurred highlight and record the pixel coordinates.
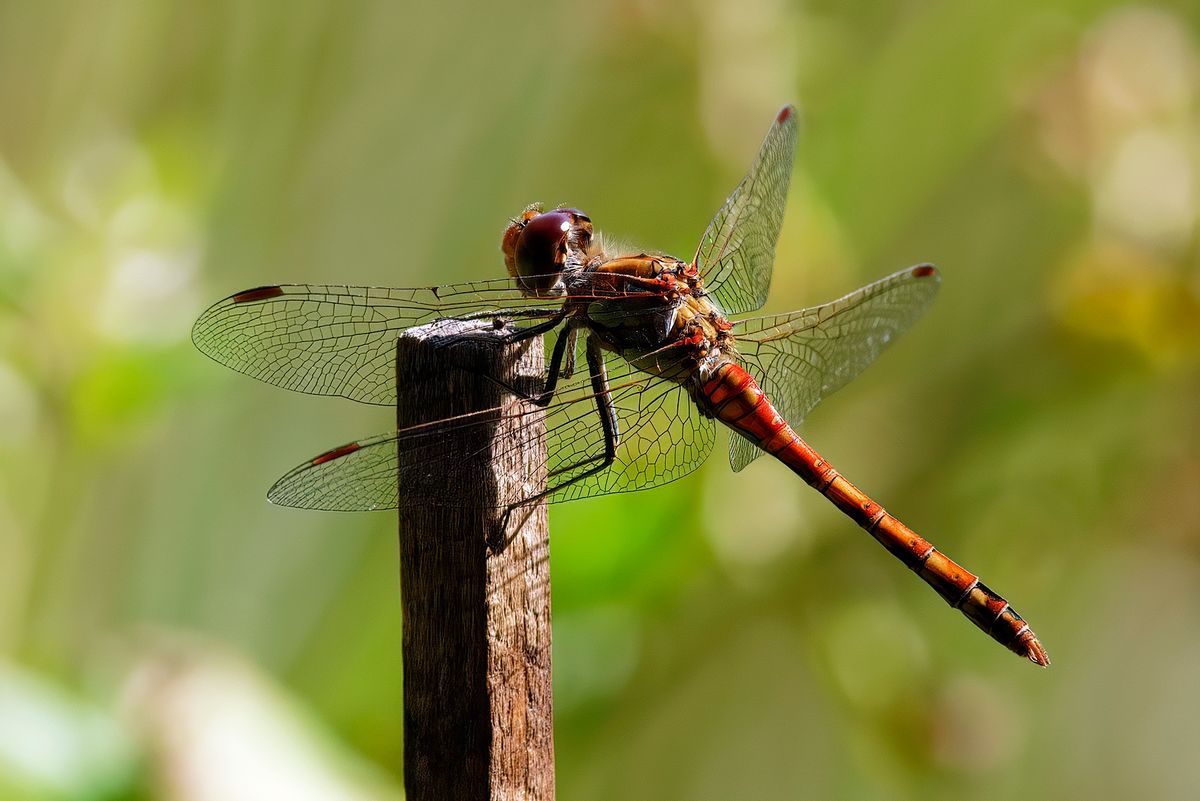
(1113, 292)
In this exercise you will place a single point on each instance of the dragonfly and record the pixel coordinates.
(650, 352)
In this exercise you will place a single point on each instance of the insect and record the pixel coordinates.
(665, 361)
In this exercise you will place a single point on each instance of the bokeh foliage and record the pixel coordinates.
(729, 636)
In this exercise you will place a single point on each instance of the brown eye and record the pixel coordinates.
(535, 247)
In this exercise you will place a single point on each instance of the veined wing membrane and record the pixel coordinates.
(737, 252)
(663, 437)
(800, 358)
(340, 340)
(355, 477)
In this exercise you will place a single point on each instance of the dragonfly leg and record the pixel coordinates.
(542, 396)
(522, 334)
(608, 418)
(568, 368)
(519, 335)
(563, 348)
(608, 423)
(510, 314)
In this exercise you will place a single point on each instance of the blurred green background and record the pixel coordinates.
(165, 633)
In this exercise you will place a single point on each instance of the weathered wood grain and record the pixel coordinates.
(477, 694)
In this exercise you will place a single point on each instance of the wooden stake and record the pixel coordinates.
(477, 694)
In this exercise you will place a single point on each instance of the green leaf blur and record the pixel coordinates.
(165, 633)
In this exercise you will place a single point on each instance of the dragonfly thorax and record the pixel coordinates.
(653, 310)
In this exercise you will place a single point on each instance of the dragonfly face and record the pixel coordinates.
(537, 244)
(662, 366)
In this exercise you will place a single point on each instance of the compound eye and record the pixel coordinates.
(536, 247)
(542, 247)
(579, 235)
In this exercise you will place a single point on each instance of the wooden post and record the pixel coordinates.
(477, 695)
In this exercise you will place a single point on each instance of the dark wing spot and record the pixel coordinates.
(336, 453)
(924, 271)
(784, 114)
(259, 293)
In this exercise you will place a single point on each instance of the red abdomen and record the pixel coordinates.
(734, 397)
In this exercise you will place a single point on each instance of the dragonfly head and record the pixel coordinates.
(537, 243)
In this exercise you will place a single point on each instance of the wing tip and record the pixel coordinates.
(200, 327)
(277, 495)
(200, 334)
(786, 113)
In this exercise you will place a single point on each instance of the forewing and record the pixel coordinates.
(339, 340)
(801, 357)
(737, 252)
(663, 437)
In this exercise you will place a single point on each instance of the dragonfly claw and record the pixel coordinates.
(497, 538)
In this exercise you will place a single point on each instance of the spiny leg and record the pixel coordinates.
(564, 348)
(500, 321)
(609, 424)
(542, 396)
(511, 314)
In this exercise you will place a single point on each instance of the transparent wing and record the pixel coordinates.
(663, 437)
(800, 358)
(340, 340)
(355, 477)
(737, 251)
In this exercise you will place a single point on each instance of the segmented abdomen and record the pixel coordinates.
(734, 397)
